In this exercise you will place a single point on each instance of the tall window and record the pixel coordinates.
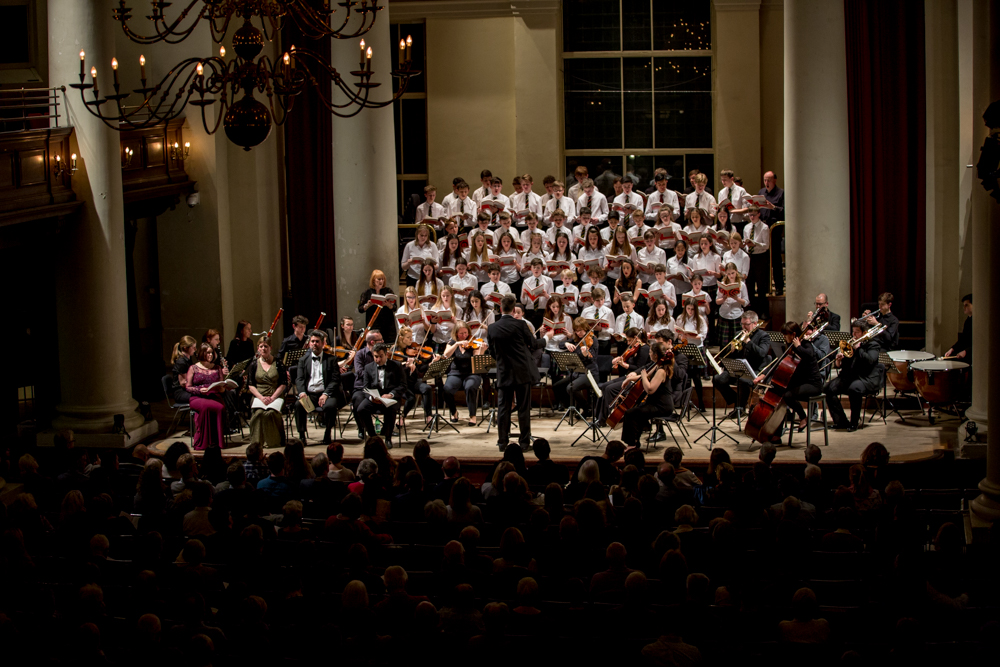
(410, 121)
(637, 85)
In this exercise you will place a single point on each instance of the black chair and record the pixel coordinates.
(178, 408)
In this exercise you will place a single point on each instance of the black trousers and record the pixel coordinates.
(777, 265)
(737, 397)
(855, 390)
(758, 283)
(610, 393)
(422, 389)
(506, 396)
(575, 385)
(637, 419)
(794, 395)
(329, 411)
(364, 408)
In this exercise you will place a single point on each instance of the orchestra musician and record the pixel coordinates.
(414, 366)
(181, 360)
(888, 339)
(318, 378)
(460, 375)
(297, 339)
(822, 314)
(859, 374)
(634, 339)
(962, 349)
(806, 380)
(365, 357)
(659, 394)
(755, 351)
(241, 346)
(678, 381)
(385, 376)
(573, 383)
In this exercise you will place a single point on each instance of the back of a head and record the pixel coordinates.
(616, 555)
(320, 465)
(685, 514)
(589, 472)
(614, 450)
(350, 506)
(414, 481)
(276, 464)
(813, 454)
(515, 456)
(767, 453)
(542, 449)
(335, 453)
(367, 468)
(698, 588)
(422, 450)
(193, 552)
(804, 604)
(790, 508)
(673, 456)
(527, 591)
(395, 578)
(451, 467)
(236, 474)
(666, 473)
(511, 483)
(354, 596)
(495, 615)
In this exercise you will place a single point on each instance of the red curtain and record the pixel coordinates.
(885, 98)
(309, 199)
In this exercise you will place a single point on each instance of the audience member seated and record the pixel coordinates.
(804, 628)
(546, 471)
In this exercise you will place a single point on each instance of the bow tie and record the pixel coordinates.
(381, 368)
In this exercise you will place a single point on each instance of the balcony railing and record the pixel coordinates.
(30, 109)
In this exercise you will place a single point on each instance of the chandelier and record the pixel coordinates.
(224, 89)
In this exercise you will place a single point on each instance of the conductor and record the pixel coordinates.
(510, 342)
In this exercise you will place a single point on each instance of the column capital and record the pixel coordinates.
(737, 5)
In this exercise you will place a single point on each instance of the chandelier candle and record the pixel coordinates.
(82, 73)
(368, 60)
(114, 71)
(362, 65)
(409, 45)
(93, 75)
(142, 69)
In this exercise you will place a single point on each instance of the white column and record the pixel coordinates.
(942, 174)
(90, 255)
(364, 176)
(982, 270)
(817, 238)
(986, 223)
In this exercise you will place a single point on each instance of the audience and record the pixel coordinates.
(628, 560)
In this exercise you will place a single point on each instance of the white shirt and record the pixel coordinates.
(526, 262)
(413, 251)
(593, 253)
(606, 314)
(707, 202)
(570, 308)
(467, 206)
(656, 256)
(448, 198)
(534, 204)
(550, 235)
(554, 342)
(616, 272)
(761, 236)
(669, 294)
(637, 231)
(607, 233)
(730, 308)
(526, 236)
(674, 266)
(598, 205)
(490, 287)
(564, 203)
(442, 332)
(710, 262)
(551, 258)
(500, 231)
(428, 289)
(474, 320)
(531, 282)
(500, 199)
(431, 210)
(633, 198)
(315, 385)
(627, 320)
(702, 294)
(458, 282)
(669, 239)
(680, 324)
(418, 328)
(574, 191)
(480, 193)
(652, 326)
(737, 196)
(509, 274)
(693, 248)
(481, 275)
(668, 196)
(740, 259)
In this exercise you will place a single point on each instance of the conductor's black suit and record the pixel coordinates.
(510, 342)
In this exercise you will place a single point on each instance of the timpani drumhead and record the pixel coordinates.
(942, 365)
(909, 355)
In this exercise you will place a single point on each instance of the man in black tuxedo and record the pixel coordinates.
(755, 351)
(825, 314)
(386, 377)
(318, 377)
(511, 343)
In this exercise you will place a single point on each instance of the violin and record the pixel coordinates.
(632, 349)
(632, 394)
(339, 351)
(475, 343)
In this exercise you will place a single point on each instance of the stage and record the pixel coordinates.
(916, 439)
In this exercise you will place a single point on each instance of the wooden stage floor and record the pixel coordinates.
(913, 440)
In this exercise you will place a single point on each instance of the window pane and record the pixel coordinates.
(417, 84)
(638, 100)
(643, 166)
(635, 25)
(679, 26)
(592, 88)
(591, 25)
(683, 102)
(601, 168)
(414, 136)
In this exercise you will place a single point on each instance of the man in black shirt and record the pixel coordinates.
(859, 374)
(771, 212)
(962, 349)
(888, 339)
(755, 351)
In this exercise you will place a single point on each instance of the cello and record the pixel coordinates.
(632, 394)
(766, 407)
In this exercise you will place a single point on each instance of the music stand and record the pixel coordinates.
(715, 427)
(435, 373)
(737, 368)
(693, 353)
(293, 356)
(568, 361)
(593, 431)
(482, 365)
(890, 367)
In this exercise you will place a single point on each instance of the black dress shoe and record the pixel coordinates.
(501, 446)
(326, 438)
(361, 434)
(841, 426)
(658, 436)
(852, 428)
(302, 437)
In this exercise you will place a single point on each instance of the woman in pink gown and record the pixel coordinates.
(206, 403)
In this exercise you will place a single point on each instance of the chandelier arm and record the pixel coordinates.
(164, 31)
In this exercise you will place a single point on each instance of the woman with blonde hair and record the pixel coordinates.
(443, 330)
(180, 361)
(422, 247)
(385, 322)
(460, 375)
(422, 329)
